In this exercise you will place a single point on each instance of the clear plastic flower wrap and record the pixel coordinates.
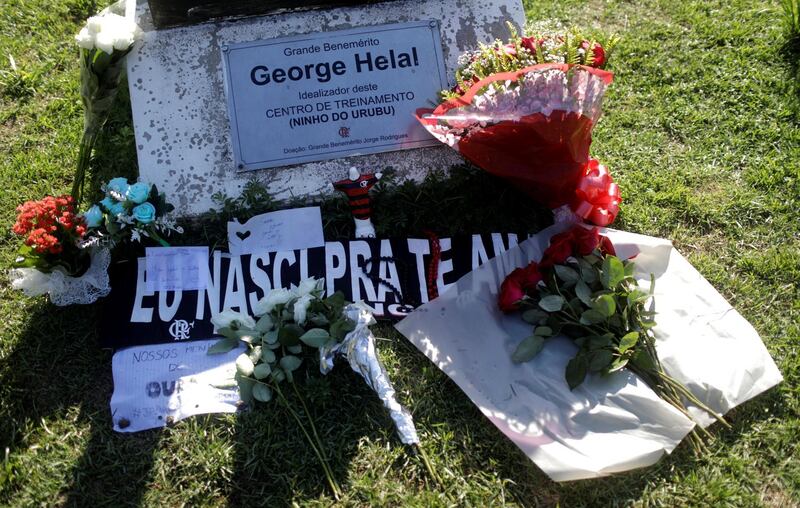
(532, 127)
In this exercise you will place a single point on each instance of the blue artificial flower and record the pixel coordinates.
(144, 213)
(117, 187)
(138, 192)
(93, 217)
(107, 203)
(116, 209)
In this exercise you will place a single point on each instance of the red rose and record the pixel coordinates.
(513, 289)
(598, 53)
(578, 241)
(599, 56)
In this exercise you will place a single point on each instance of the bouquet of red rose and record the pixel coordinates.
(525, 110)
(581, 289)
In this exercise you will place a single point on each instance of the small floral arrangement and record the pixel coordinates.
(570, 47)
(581, 289)
(104, 42)
(53, 236)
(136, 210)
(289, 324)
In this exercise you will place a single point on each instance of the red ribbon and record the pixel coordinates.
(597, 197)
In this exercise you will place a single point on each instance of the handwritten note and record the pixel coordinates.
(284, 230)
(176, 268)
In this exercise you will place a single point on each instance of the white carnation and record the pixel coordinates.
(308, 285)
(105, 42)
(227, 318)
(85, 39)
(275, 297)
(301, 309)
(94, 24)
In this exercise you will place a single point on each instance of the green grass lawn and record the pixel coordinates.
(701, 132)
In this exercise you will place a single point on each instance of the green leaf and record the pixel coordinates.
(316, 337)
(229, 333)
(262, 370)
(628, 341)
(290, 363)
(543, 331)
(245, 388)
(278, 375)
(566, 274)
(262, 392)
(643, 360)
(613, 272)
(527, 349)
(605, 305)
(618, 364)
(591, 317)
(255, 354)
(551, 303)
(289, 335)
(244, 365)
(600, 360)
(222, 346)
(630, 268)
(296, 349)
(341, 328)
(267, 355)
(271, 337)
(584, 293)
(576, 371)
(637, 296)
(264, 323)
(588, 272)
(599, 341)
(534, 316)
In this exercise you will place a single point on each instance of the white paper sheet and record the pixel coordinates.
(284, 230)
(608, 424)
(157, 384)
(176, 268)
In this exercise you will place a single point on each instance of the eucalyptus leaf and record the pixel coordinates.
(245, 336)
(527, 349)
(628, 341)
(222, 346)
(576, 371)
(552, 303)
(262, 392)
(278, 375)
(267, 355)
(271, 337)
(289, 334)
(228, 332)
(262, 370)
(534, 316)
(255, 354)
(605, 305)
(296, 349)
(543, 331)
(290, 363)
(340, 328)
(264, 323)
(244, 365)
(245, 389)
(316, 337)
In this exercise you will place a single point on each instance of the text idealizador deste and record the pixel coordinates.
(261, 75)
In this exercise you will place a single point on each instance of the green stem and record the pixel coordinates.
(84, 158)
(155, 236)
(320, 456)
(310, 420)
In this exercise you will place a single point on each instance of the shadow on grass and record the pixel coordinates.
(56, 367)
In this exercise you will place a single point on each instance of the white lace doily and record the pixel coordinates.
(63, 289)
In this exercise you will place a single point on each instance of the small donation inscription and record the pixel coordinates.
(332, 94)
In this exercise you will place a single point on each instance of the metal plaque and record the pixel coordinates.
(332, 94)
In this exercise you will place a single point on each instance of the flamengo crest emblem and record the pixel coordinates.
(179, 329)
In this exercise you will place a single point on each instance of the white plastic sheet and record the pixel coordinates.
(608, 424)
